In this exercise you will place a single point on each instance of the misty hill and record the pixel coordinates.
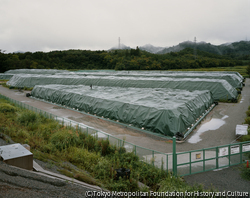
(150, 48)
(122, 47)
(240, 48)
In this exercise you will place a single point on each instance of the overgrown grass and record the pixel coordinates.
(245, 172)
(3, 83)
(96, 160)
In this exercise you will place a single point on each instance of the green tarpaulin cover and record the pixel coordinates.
(220, 88)
(35, 71)
(159, 110)
(233, 78)
(4, 76)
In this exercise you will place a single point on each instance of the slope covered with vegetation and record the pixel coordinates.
(96, 160)
(133, 59)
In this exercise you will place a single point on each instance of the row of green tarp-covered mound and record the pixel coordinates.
(233, 78)
(159, 110)
(220, 88)
(10, 73)
(4, 76)
(35, 71)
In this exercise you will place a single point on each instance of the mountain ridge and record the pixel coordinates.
(231, 48)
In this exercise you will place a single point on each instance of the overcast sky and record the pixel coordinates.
(46, 25)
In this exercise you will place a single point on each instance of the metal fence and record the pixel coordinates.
(182, 163)
(207, 159)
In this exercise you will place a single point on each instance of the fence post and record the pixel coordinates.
(240, 152)
(190, 162)
(174, 157)
(204, 158)
(153, 156)
(217, 157)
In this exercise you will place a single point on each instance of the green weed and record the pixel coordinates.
(4, 107)
(247, 120)
(27, 117)
(245, 172)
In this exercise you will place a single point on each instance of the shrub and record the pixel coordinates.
(49, 148)
(245, 173)
(123, 185)
(245, 138)
(64, 139)
(22, 133)
(176, 184)
(4, 107)
(247, 120)
(28, 117)
(104, 169)
(248, 112)
(83, 157)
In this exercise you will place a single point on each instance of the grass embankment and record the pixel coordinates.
(241, 69)
(96, 160)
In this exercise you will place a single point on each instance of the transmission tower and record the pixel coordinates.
(119, 43)
(195, 53)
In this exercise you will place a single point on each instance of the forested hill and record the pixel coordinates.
(128, 59)
(240, 50)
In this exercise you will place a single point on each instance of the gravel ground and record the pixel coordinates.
(227, 179)
(16, 182)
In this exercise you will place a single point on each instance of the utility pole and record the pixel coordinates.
(119, 43)
(195, 53)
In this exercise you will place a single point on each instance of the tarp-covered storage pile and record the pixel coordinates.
(159, 110)
(220, 88)
(4, 76)
(233, 78)
(35, 71)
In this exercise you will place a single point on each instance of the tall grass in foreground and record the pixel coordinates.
(96, 160)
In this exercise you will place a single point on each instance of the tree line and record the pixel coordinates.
(129, 59)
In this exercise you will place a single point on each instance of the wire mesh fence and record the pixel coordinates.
(158, 159)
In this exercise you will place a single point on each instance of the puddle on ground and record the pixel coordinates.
(213, 124)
